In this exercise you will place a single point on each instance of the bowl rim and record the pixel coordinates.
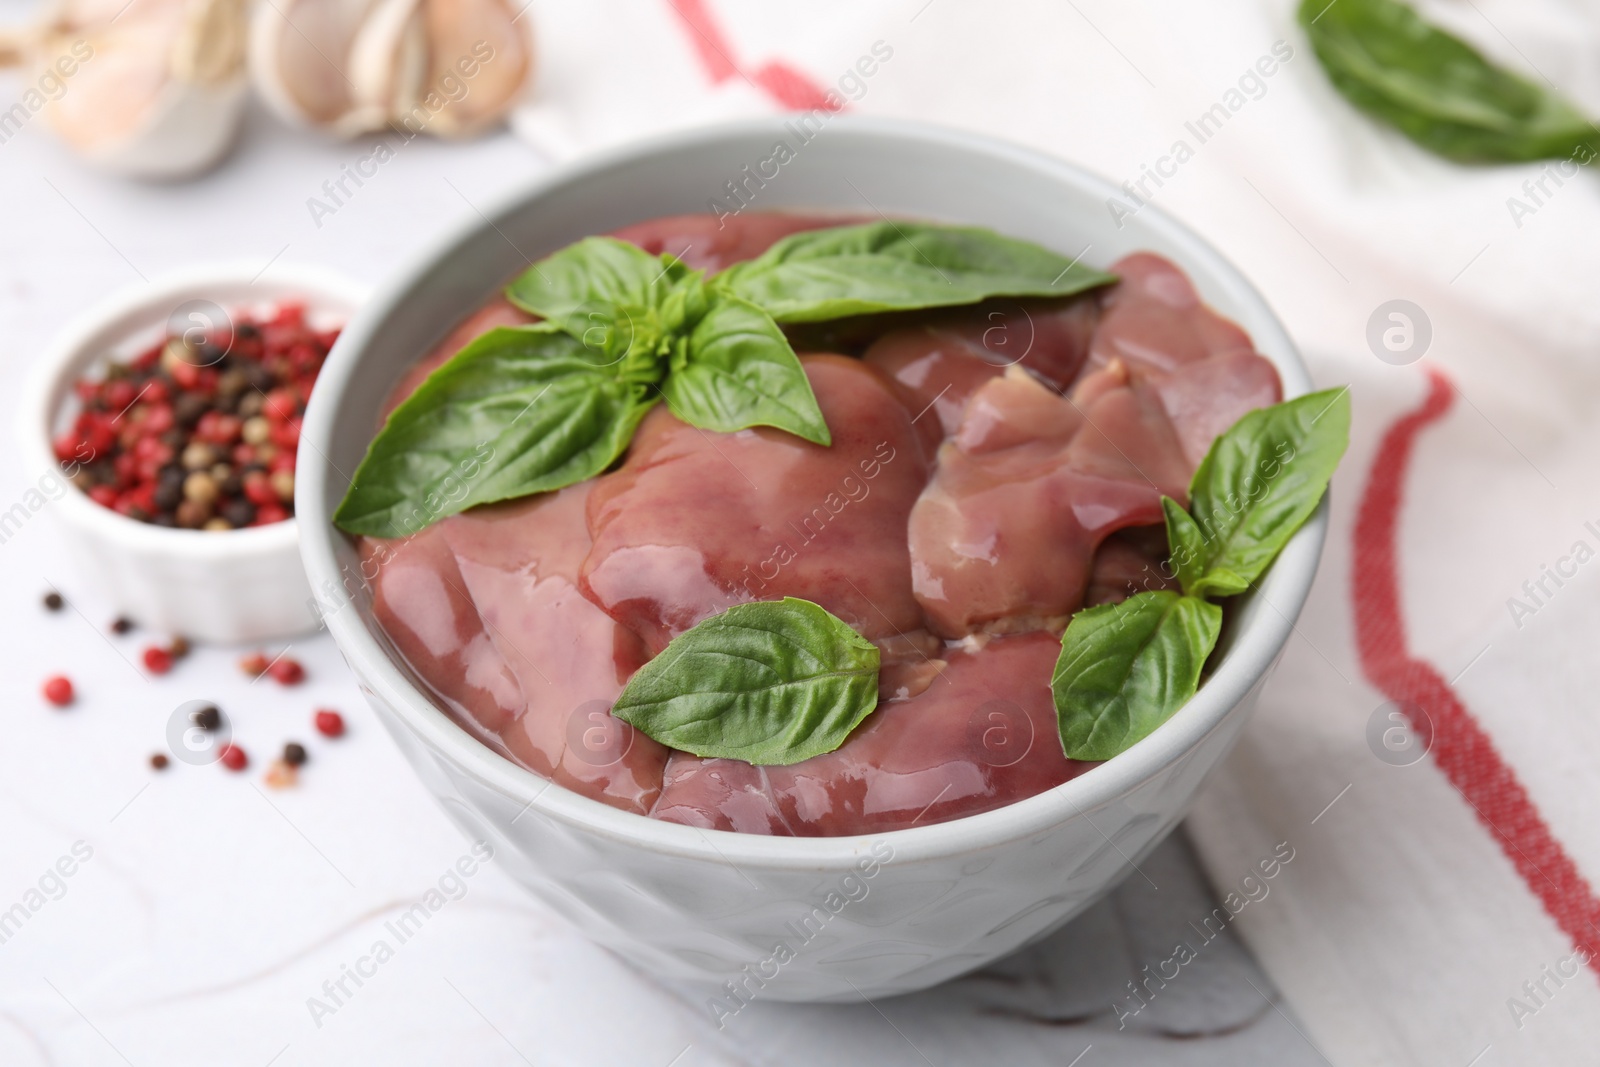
(1254, 649)
(78, 345)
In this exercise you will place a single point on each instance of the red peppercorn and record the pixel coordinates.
(286, 434)
(233, 757)
(218, 428)
(104, 495)
(100, 434)
(186, 375)
(258, 489)
(119, 394)
(281, 404)
(286, 671)
(158, 420)
(58, 690)
(157, 660)
(269, 513)
(329, 723)
(254, 664)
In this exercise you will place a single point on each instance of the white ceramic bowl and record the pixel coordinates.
(233, 587)
(709, 908)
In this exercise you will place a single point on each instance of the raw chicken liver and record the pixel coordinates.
(519, 561)
(994, 469)
(695, 522)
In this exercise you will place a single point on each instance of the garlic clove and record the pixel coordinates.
(481, 58)
(15, 47)
(388, 63)
(161, 91)
(450, 67)
(211, 47)
(299, 51)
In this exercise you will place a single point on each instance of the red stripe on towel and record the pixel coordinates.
(1460, 747)
(782, 82)
(716, 55)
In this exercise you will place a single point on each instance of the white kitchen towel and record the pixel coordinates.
(1430, 744)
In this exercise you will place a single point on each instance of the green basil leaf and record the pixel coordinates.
(1126, 667)
(1438, 90)
(774, 682)
(600, 290)
(885, 266)
(520, 410)
(1260, 481)
(737, 370)
(1186, 543)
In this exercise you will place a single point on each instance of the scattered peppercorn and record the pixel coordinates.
(329, 723)
(179, 647)
(286, 671)
(53, 601)
(121, 625)
(294, 754)
(167, 437)
(207, 718)
(281, 775)
(157, 660)
(159, 761)
(58, 690)
(233, 757)
(255, 664)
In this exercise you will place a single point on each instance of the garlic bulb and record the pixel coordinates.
(447, 67)
(157, 87)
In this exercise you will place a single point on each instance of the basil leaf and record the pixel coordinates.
(1126, 667)
(1260, 481)
(519, 410)
(1186, 543)
(600, 290)
(1438, 90)
(885, 266)
(770, 683)
(737, 370)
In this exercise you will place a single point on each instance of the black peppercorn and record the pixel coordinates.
(239, 512)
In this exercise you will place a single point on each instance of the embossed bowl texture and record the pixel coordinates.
(736, 916)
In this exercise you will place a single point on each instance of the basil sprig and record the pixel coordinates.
(770, 683)
(1125, 668)
(530, 409)
(1437, 89)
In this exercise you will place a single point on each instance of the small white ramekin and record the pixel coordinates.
(232, 587)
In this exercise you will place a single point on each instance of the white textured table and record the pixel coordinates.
(213, 908)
